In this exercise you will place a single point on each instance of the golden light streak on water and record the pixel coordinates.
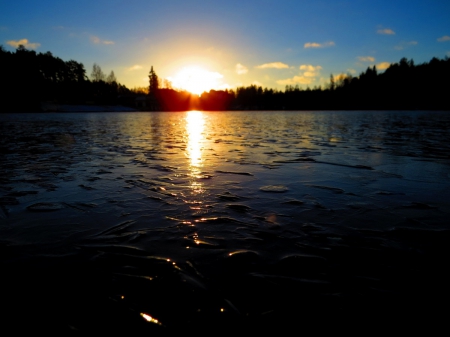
(150, 319)
(195, 123)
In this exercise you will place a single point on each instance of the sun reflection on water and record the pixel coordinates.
(195, 124)
(150, 319)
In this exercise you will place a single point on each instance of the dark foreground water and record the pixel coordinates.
(213, 222)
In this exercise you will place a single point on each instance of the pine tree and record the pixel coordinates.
(154, 82)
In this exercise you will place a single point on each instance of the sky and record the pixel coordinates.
(268, 43)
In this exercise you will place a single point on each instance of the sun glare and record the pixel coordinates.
(194, 127)
(196, 80)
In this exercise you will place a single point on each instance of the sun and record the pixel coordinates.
(196, 80)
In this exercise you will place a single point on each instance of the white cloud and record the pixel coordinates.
(352, 71)
(310, 70)
(340, 77)
(309, 74)
(309, 67)
(312, 45)
(444, 38)
(386, 31)
(383, 65)
(135, 67)
(97, 40)
(275, 65)
(319, 45)
(241, 69)
(258, 84)
(366, 58)
(296, 80)
(23, 42)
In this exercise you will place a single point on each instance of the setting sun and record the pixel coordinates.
(196, 80)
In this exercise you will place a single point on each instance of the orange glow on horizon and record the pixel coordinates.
(196, 80)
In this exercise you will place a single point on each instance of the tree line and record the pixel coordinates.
(402, 86)
(31, 78)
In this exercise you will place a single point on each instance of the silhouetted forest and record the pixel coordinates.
(402, 86)
(31, 78)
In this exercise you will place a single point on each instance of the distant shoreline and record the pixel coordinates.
(52, 107)
(72, 108)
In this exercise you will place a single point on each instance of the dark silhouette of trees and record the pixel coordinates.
(172, 100)
(154, 82)
(216, 100)
(402, 85)
(97, 74)
(155, 99)
(30, 78)
(111, 78)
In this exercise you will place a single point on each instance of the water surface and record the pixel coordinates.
(205, 220)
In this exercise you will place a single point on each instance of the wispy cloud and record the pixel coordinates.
(319, 45)
(97, 40)
(340, 77)
(383, 65)
(274, 65)
(310, 70)
(296, 80)
(444, 38)
(307, 75)
(312, 45)
(403, 45)
(241, 69)
(366, 58)
(214, 52)
(309, 67)
(23, 42)
(385, 31)
(135, 67)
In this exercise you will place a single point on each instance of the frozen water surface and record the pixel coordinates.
(207, 221)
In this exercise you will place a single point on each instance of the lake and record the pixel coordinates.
(164, 222)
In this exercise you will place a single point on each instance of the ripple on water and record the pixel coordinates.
(228, 196)
(274, 188)
(44, 207)
(239, 207)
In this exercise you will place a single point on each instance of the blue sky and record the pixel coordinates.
(272, 43)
